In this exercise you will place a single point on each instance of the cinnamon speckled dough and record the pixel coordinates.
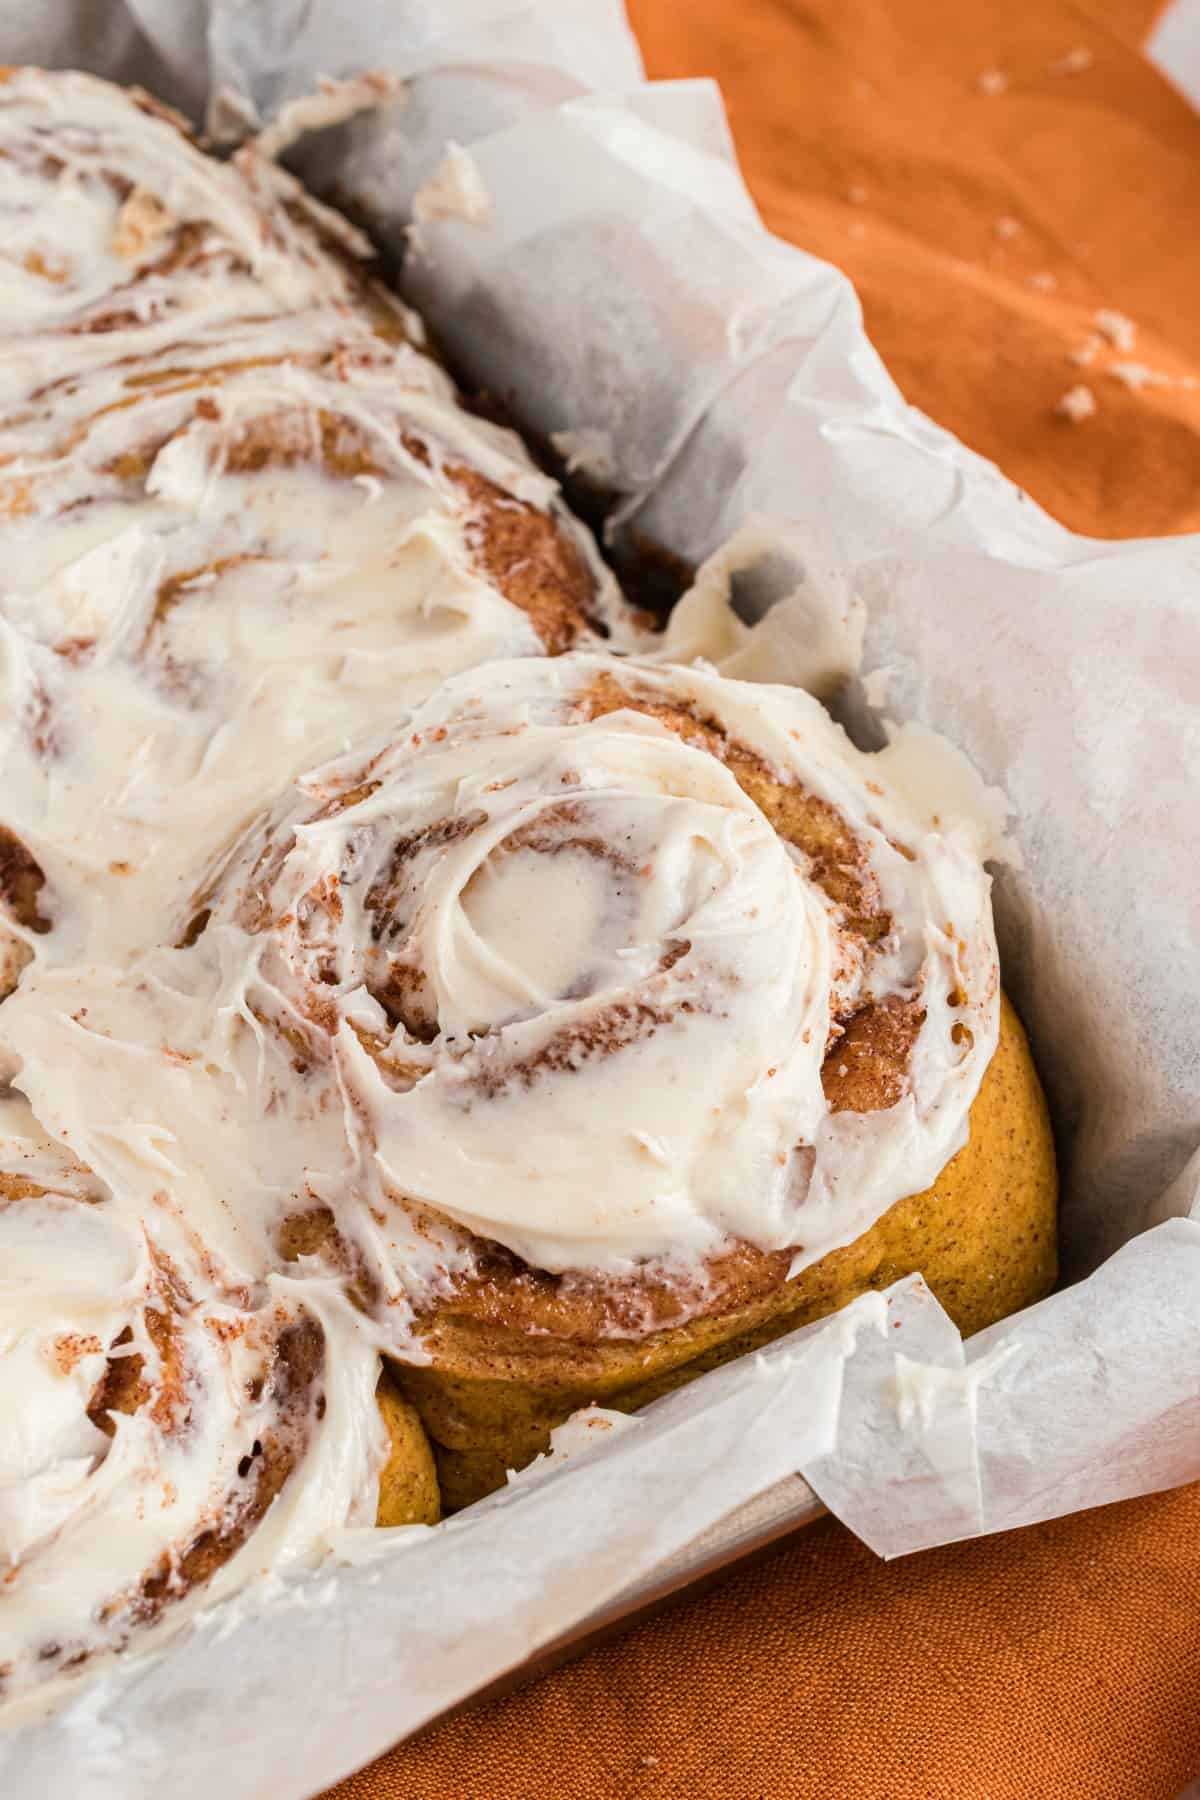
(983, 1236)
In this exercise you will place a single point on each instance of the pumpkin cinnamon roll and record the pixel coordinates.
(247, 516)
(166, 1433)
(607, 1020)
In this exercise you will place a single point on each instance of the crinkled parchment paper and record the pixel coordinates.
(589, 250)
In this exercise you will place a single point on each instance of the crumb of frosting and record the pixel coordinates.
(1119, 331)
(1077, 404)
(1083, 355)
(1073, 63)
(455, 191)
(1137, 375)
(587, 451)
(333, 102)
(1043, 282)
(1006, 227)
(992, 81)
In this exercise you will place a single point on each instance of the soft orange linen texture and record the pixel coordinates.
(1061, 1662)
(1057, 1663)
(1099, 172)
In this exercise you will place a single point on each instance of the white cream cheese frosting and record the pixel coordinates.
(551, 977)
(243, 509)
(328, 896)
(246, 1443)
(246, 519)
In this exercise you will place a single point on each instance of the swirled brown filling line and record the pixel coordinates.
(865, 1068)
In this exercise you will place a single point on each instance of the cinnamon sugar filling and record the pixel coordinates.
(21, 883)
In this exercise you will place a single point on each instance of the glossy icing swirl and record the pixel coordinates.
(610, 963)
(164, 1434)
(550, 931)
(246, 515)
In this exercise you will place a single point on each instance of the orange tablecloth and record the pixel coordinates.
(983, 230)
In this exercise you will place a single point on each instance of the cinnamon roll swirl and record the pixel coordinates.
(165, 1433)
(246, 514)
(628, 1013)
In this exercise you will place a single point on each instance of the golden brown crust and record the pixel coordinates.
(315, 1233)
(865, 1069)
(983, 1236)
(506, 1295)
(408, 1482)
(504, 1314)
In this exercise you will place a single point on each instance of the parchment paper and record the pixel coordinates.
(621, 289)
(1174, 46)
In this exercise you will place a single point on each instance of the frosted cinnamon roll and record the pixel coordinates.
(604, 1017)
(246, 514)
(165, 1435)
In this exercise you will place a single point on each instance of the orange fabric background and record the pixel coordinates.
(1061, 1662)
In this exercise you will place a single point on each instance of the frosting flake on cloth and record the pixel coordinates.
(247, 517)
(545, 931)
